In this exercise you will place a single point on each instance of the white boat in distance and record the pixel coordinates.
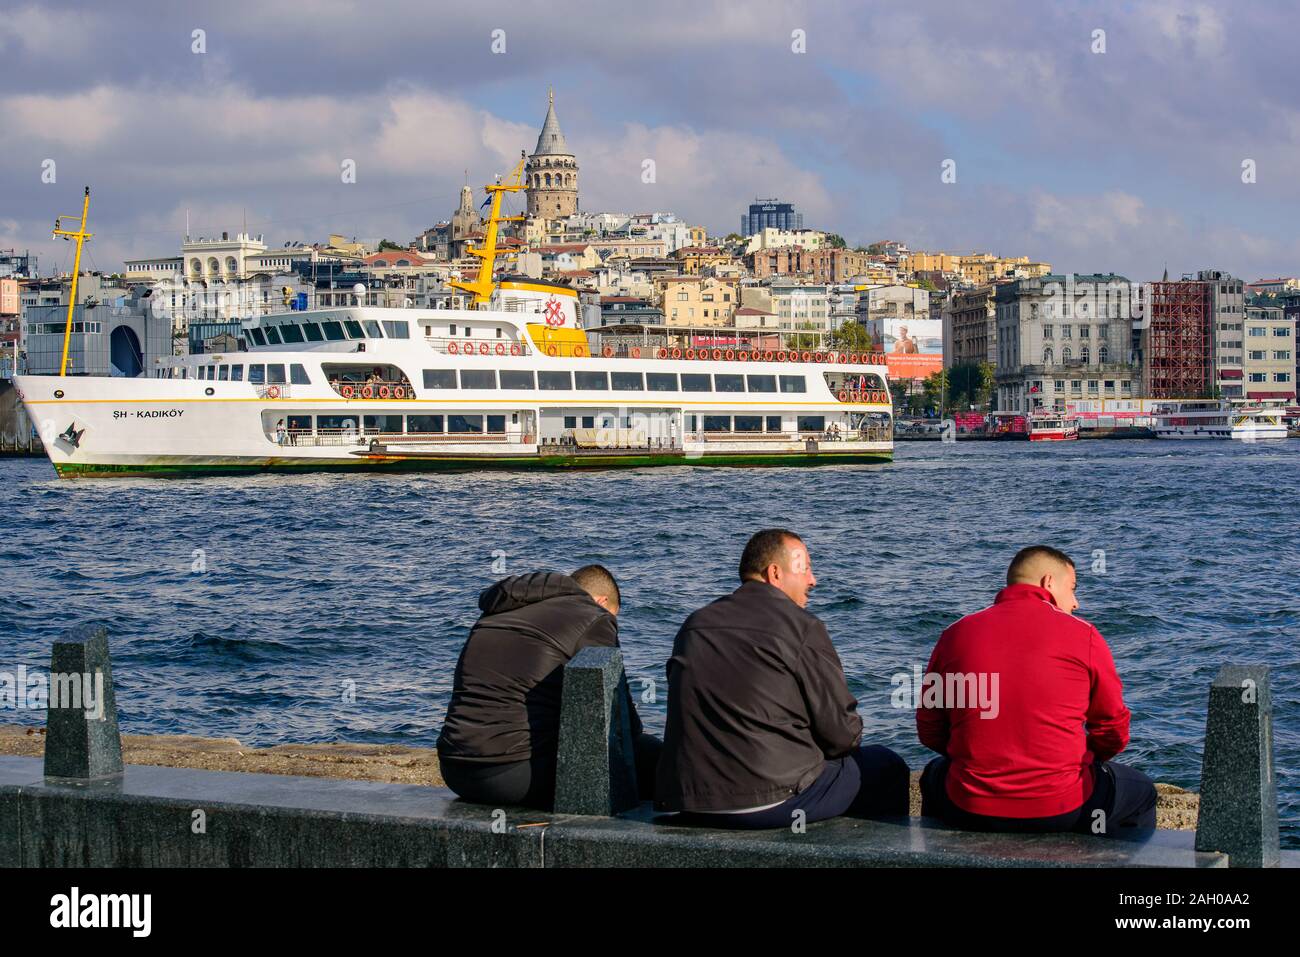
(1217, 419)
(512, 383)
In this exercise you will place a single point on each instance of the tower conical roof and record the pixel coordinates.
(550, 142)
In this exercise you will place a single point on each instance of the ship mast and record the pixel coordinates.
(487, 253)
(80, 235)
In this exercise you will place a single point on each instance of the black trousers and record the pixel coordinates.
(1122, 805)
(531, 783)
(870, 781)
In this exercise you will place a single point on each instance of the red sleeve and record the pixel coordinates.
(932, 723)
(1108, 718)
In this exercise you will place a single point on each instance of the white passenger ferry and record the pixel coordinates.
(1216, 419)
(510, 384)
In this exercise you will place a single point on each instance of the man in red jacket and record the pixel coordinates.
(1035, 754)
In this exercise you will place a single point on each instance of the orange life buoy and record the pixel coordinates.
(661, 353)
(346, 391)
(399, 392)
(607, 352)
(579, 351)
(690, 353)
(819, 357)
(702, 354)
(514, 349)
(677, 353)
(273, 392)
(452, 347)
(636, 352)
(804, 356)
(501, 348)
(384, 392)
(841, 358)
(780, 355)
(768, 356)
(551, 350)
(717, 354)
(844, 396)
(730, 355)
(742, 356)
(853, 358)
(483, 349)
(367, 392)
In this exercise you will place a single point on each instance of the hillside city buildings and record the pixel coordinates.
(1047, 337)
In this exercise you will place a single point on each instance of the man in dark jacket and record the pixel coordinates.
(498, 745)
(761, 724)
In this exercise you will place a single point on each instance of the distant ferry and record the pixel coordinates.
(511, 384)
(1216, 419)
(1052, 427)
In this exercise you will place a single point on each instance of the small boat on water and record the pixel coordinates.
(1217, 419)
(1052, 427)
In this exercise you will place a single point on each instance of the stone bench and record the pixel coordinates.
(83, 808)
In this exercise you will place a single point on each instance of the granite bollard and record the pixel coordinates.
(596, 769)
(82, 742)
(1238, 815)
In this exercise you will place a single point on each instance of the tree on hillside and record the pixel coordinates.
(389, 244)
(851, 336)
(836, 241)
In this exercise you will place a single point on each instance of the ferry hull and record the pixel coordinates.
(451, 463)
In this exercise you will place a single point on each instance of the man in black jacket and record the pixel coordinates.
(498, 745)
(761, 724)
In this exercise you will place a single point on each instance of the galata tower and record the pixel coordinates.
(551, 172)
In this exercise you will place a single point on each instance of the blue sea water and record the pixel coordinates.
(246, 607)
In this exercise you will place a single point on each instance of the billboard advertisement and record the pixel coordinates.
(913, 347)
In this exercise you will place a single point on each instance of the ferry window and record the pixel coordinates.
(237, 372)
(749, 423)
(223, 373)
(275, 374)
(313, 332)
(273, 335)
(257, 374)
(591, 381)
(383, 423)
(717, 423)
(336, 423)
(440, 378)
(258, 337)
(695, 382)
(498, 336)
(730, 383)
(627, 382)
(661, 381)
(464, 423)
(291, 333)
(453, 329)
(424, 423)
(478, 379)
(517, 379)
(554, 381)
(372, 329)
(397, 328)
(496, 423)
(762, 383)
(333, 330)
(811, 423)
(793, 383)
(354, 329)
(298, 375)
(300, 424)
(774, 423)
(570, 421)
(588, 421)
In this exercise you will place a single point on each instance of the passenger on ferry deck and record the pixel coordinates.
(1032, 751)
(499, 743)
(761, 725)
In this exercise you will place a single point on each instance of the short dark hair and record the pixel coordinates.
(763, 549)
(1031, 552)
(598, 580)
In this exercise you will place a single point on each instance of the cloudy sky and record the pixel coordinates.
(1125, 160)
